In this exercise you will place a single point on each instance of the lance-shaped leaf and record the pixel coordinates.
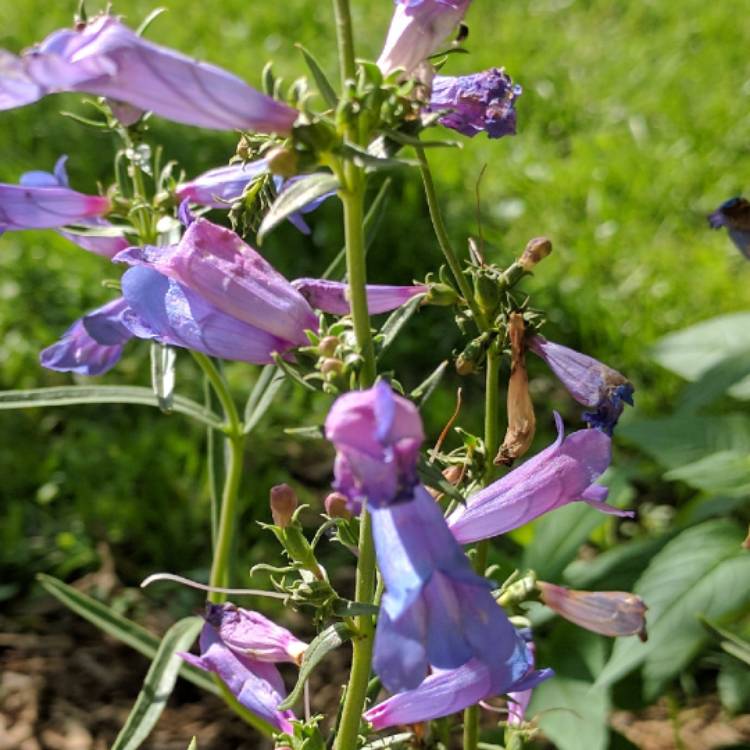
(163, 375)
(331, 638)
(158, 685)
(396, 321)
(294, 198)
(261, 397)
(427, 387)
(321, 80)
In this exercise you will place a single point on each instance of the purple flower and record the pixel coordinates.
(518, 700)
(218, 266)
(417, 29)
(561, 474)
(446, 692)
(332, 296)
(93, 344)
(106, 246)
(220, 187)
(108, 59)
(734, 214)
(251, 634)
(482, 102)
(612, 613)
(257, 685)
(589, 381)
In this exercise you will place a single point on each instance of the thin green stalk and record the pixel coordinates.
(234, 424)
(345, 40)
(444, 241)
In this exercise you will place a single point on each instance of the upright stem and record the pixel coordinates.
(345, 40)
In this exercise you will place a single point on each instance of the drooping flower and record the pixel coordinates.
(734, 214)
(481, 102)
(446, 692)
(588, 381)
(612, 613)
(257, 685)
(106, 58)
(562, 473)
(93, 344)
(435, 612)
(218, 266)
(250, 634)
(333, 296)
(417, 29)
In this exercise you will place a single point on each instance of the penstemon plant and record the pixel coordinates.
(427, 623)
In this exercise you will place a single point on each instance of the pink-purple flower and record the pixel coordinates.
(333, 296)
(106, 58)
(561, 474)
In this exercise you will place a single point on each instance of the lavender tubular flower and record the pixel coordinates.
(417, 29)
(332, 296)
(518, 700)
(734, 215)
(257, 685)
(589, 381)
(482, 102)
(93, 344)
(612, 613)
(220, 187)
(562, 473)
(218, 266)
(108, 59)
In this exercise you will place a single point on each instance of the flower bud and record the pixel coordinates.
(441, 295)
(336, 505)
(330, 367)
(610, 613)
(283, 500)
(327, 346)
(536, 250)
(487, 293)
(282, 161)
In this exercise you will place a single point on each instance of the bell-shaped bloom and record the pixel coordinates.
(446, 692)
(611, 613)
(257, 685)
(417, 29)
(105, 245)
(589, 381)
(218, 266)
(734, 214)
(166, 311)
(562, 473)
(106, 58)
(251, 634)
(478, 103)
(333, 296)
(377, 437)
(93, 344)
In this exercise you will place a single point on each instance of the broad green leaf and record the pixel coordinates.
(159, 683)
(693, 351)
(701, 572)
(261, 397)
(103, 394)
(733, 683)
(321, 80)
(163, 360)
(295, 197)
(716, 381)
(119, 627)
(727, 472)
(395, 323)
(331, 638)
(730, 642)
(702, 507)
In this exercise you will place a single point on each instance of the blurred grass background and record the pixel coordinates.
(634, 123)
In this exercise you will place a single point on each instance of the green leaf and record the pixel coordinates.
(149, 19)
(295, 197)
(396, 321)
(163, 375)
(331, 638)
(427, 387)
(702, 571)
(371, 162)
(411, 140)
(386, 742)
(261, 397)
(730, 642)
(193, 744)
(733, 683)
(321, 80)
(727, 472)
(103, 394)
(433, 477)
(159, 683)
(119, 627)
(693, 351)
(716, 381)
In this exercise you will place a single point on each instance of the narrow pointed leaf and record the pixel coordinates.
(386, 742)
(159, 683)
(193, 744)
(396, 321)
(321, 80)
(261, 397)
(433, 477)
(163, 375)
(427, 387)
(331, 638)
(730, 642)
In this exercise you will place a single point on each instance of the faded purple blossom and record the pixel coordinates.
(93, 344)
(562, 473)
(333, 296)
(257, 685)
(251, 634)
(106, 58)
(518, 700)
(417, 29)
(734, 215)
(218, 266)
(481, 102)
(588, 381)
(612, 613)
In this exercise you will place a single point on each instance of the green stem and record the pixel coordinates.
(234, 424)
(345, 40)
(444, 241)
